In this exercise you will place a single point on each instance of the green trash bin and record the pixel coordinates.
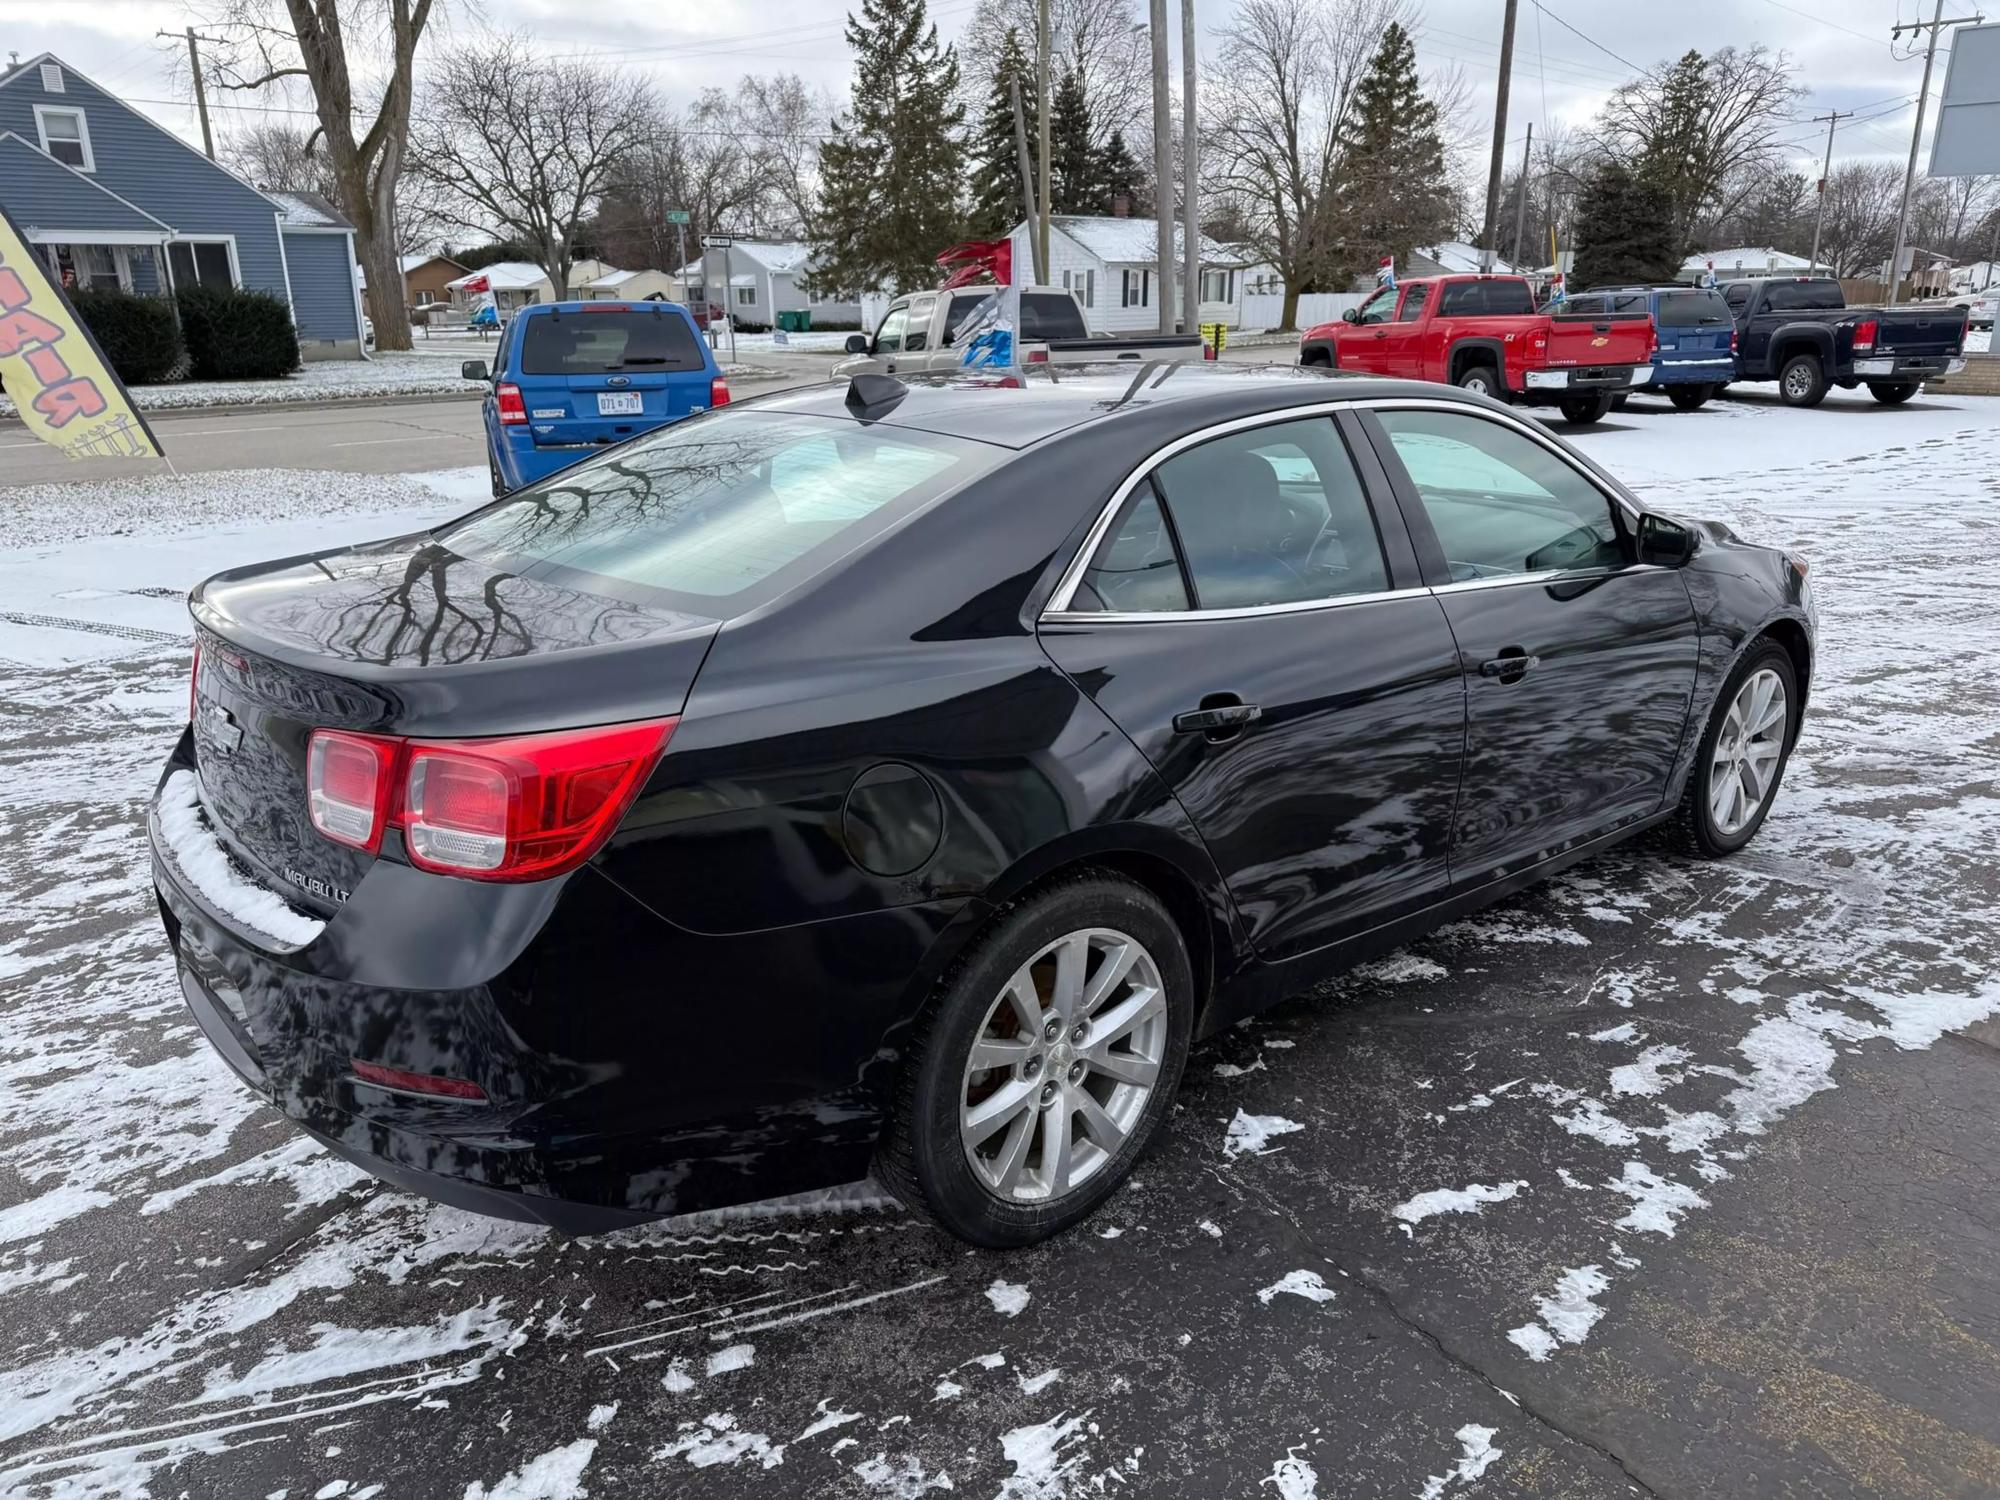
(792, 322)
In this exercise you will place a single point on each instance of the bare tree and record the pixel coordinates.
(263, 43)
(1860, 227)
(693, 160)
(781, 122)
(1101, 41)
(1272, 102)
(527, 145)
(1704, 129)
(287, 158)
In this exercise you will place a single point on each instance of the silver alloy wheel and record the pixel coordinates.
(1798, 381)
(1744, 767)
(1061, 1069)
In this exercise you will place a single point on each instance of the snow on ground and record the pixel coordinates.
(1845, 931)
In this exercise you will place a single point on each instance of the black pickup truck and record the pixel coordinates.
(1800, 332)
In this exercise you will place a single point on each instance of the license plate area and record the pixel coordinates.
(620, 404)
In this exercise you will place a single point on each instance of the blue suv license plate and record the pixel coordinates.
(621, 404)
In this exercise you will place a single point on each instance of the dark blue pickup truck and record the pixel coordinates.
(1800, 332)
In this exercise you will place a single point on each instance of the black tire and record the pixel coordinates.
(1484, 379)
(1802, 380)
(1689, 397)
(1892, 392)
(1581, 409)
(922, 1159)
(1693, 829)
(1618, 401)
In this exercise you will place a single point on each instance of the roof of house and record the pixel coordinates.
(1456, 258)
(1133, 241)
(27, 162)
(306, 211)
(779, 257)
(612, 279)
(423, 258)
(506, 276)
(1762, 257)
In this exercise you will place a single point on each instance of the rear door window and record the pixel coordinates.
(735, 507)
(1805, 296)
(1137, 570)
(599, 343)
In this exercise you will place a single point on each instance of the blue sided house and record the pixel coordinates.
(111, 199)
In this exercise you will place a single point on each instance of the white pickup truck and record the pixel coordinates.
(918, 334)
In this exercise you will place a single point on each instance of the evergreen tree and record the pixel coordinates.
(1074, 184)
(996, 165)
(1393, 193)
(894, 169)
(1118, 176)
(1624, 231)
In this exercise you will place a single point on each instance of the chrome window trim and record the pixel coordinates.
(1058, 612)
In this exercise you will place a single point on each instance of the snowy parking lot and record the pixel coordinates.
(1666, 1178)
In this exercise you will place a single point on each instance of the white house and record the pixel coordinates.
(516, 283)
(1745, 261)
(1111, 265)
(635, 286)
(764, 277)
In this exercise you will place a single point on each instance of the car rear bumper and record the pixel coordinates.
(609, 1098)
(1908, 367)
(1591, 378)
(1704, 370)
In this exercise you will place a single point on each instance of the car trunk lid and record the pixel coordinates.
(1909, 333)
(1599, 339)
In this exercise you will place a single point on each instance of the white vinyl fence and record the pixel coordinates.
(1264, 309)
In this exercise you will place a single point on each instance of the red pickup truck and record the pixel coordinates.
(1483, 332)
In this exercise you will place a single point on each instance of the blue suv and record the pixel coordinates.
(569, 378)
(1697, 334)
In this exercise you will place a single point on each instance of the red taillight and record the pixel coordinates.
(1038, 356)
(605, 307)
(349, 779)
(415, 1083)
(718, 392)
(521, 808)
(1732, 340)
(513, 410)
(194, 680)
(1864, 335)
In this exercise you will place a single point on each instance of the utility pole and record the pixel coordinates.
(1936, 24)
(200, 90)
(1499, 161)
(1163, 169)
(1190, 179)
(1521, 208)
(1042, 131)
(1038, 251)
(1825, 171)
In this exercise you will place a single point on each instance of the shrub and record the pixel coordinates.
(234, 335)
(139, 337)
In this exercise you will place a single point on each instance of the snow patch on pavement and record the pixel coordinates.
(1293, 1478)
(1009, 1298)
(1252, 1134)
(1476, 1456)
(1307, 1284)
(1046, 1456)
(1568, 1313)
(1466, 1200)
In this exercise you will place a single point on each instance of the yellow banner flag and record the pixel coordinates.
(58, 379)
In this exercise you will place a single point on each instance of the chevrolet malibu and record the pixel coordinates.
(898, 778)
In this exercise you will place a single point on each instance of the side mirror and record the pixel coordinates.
(474, 369)
(857, 343)
(1352, 315)
(1664, 543)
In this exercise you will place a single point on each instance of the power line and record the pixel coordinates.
(1822, 20)
(1592, 40)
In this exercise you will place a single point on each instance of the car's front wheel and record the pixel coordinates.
(1892, 392)
(1044, 1065)
(1742, 755)
(1802, 382)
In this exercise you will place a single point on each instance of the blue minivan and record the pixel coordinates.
(1697, 333)
(569, 378)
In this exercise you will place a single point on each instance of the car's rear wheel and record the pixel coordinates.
(1742, 755)
(1802, 381)
(1892, 392)
(1689, 397)
(1044, 1065)
(1484, 379)
(1585, 408)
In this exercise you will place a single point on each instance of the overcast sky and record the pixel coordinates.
(1842, 48)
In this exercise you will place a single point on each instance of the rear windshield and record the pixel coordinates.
(1609, 302)
(1796, 296)
(597, 343)
(1050, 315)
(1692, 310)
(735, 506)
(1465, 298)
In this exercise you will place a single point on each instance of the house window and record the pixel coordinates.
(1215, 286)
(52, 79)
(1138, 288)
(89, 267)
(746, 296)
(200, 263)
(425, 299)
(1090, 287)
(66, 136)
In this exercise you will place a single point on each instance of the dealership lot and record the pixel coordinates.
(1669, 1177)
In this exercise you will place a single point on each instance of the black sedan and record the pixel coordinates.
(897, 779)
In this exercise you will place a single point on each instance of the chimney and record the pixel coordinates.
(1121, 207)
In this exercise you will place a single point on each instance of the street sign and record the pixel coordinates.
(717, 241)
(677, 216)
